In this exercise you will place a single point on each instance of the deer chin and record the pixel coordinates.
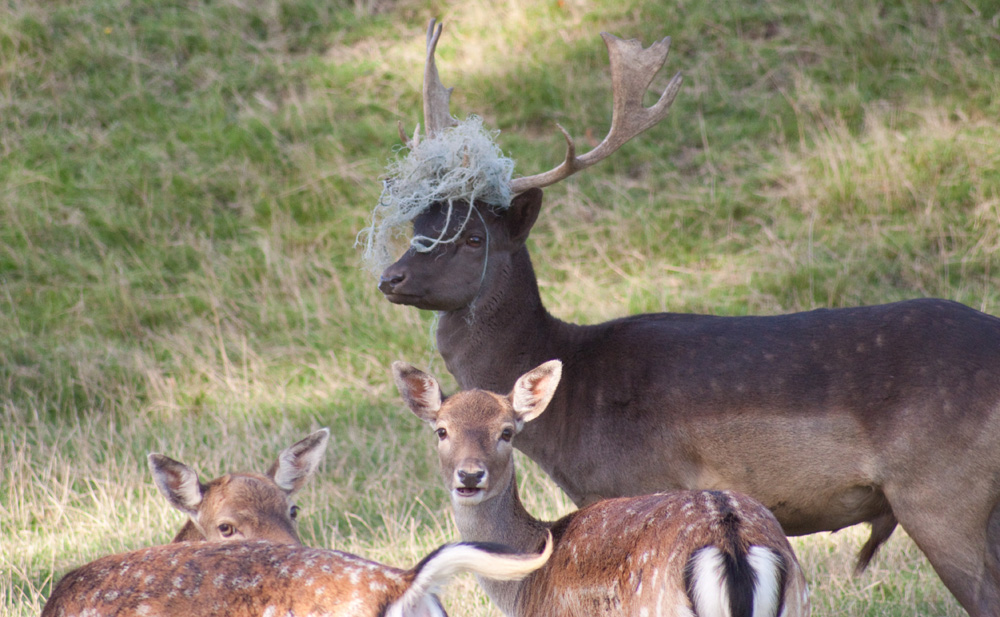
(465, 496)
(422, 302)
(404, 299)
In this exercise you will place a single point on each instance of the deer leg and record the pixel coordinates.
(956, 544)
(958, 567)
(989, 591)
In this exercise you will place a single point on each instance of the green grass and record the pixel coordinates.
(181, 184)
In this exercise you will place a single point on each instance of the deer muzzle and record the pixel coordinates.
(389, 281)
(470, 483)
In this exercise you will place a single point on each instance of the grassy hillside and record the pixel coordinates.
(182, 181)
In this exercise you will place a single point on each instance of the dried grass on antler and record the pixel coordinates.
(459, 163)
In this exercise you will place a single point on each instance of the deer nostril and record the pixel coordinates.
(388, 282)
(471, 479)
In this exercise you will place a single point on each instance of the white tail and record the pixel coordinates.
(260, 578)
(241, 506)
(716, 553)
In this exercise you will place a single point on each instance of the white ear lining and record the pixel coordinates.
(419, 390)
(177, 482)
(534, 390)
(298, 462)
(429, 398)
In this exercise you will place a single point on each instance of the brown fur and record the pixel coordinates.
(229, 578)
(251, 503)
(264, 579)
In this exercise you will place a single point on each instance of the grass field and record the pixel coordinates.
(182, 181)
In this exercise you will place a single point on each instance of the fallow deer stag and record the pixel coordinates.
(882, 414)
(259, 578)
(241, 506)
(683, 553)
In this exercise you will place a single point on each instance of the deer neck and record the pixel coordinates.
(503, 333)
(502, 519)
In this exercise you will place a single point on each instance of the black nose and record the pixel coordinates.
(387, 284)
(471, 479)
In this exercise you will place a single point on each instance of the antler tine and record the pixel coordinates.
(436, 96)
(402, 134)
(632, 70)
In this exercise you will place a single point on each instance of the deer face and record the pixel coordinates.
(452, 275)
(247, 506)
(449, 276)
(474, 431)
(475, 428)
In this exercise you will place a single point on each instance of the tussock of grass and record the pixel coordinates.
(182, 184)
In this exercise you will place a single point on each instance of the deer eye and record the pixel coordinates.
(507, 434)
(441, 433)
(226, 530)
(294, 512)
(475, 241)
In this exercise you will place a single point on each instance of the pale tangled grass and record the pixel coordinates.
(461, 163)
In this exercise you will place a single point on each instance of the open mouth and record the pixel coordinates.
(465, 491)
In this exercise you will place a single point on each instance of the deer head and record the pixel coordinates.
(241, 506)
(466, 231)
(475, 430)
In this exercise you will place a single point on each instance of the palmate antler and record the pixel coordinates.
(632, 71)
(436, 96)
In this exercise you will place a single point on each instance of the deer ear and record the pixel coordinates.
(523, 213)
(177, 482)
(534, 390)
(296, 463)
(419, 390)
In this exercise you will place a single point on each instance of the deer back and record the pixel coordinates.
(229, 578)
(255, 578)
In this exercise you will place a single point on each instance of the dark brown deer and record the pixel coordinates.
(263, 579)
(878, 414)
(678, 554)
(241, 506)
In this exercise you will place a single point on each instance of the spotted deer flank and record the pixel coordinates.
(263, 579)
(241, 506)
(677, 554)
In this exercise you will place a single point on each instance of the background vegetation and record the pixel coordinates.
(181, 182)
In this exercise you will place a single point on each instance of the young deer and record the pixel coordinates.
(683, 553)
(241, 506)
(881, 414)
(262, 579)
